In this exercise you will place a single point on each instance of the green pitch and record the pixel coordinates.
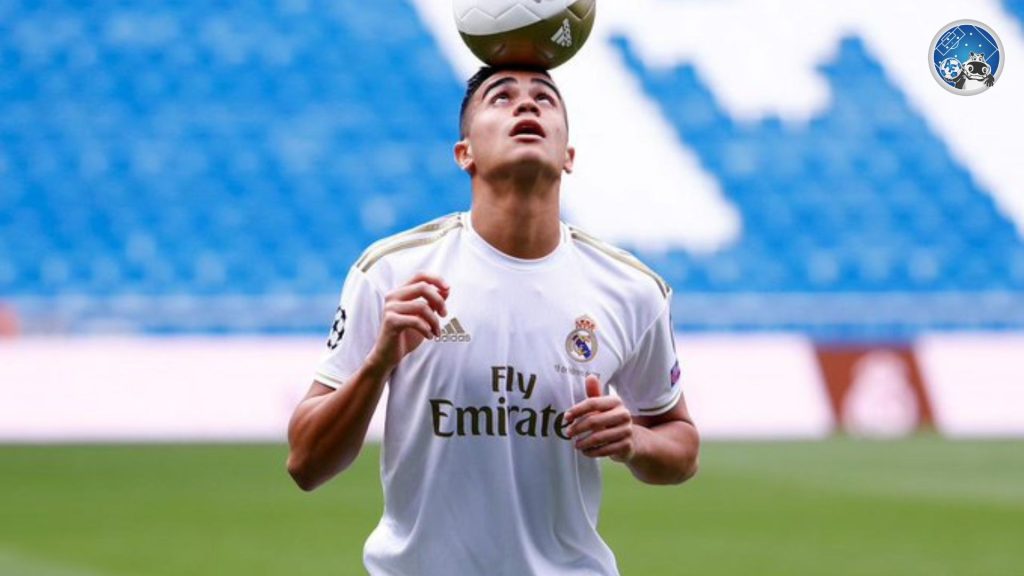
(923, 506)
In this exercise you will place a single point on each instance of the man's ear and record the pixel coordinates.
(570, 159)
(464, 155)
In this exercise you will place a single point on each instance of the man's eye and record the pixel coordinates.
(502, 97)
(546, 98)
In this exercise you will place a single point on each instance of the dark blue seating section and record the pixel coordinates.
(217, 166)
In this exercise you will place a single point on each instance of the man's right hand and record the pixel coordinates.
(410, 317)
(329, 425)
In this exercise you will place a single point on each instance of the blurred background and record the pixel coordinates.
(184, 185)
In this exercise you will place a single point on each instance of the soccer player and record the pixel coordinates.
(498, 332)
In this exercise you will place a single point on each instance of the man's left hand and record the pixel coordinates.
(601, 425)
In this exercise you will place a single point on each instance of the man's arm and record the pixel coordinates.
(328, 427)
(660, 449)
(667, 447)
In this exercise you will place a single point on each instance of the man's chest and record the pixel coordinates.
(527, 344)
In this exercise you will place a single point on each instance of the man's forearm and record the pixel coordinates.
(666, 453)
(327, 431)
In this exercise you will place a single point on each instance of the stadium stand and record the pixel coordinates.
(217, 167)
(864, 202)
(1015, 7)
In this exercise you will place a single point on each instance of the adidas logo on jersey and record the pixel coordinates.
(453, 332)
(563, 37)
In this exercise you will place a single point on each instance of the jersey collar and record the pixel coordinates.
(493, 254)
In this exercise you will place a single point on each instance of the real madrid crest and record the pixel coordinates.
(581, 344)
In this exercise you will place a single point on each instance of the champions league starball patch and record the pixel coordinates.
(966, 57)
(581, 344)
(337, 329)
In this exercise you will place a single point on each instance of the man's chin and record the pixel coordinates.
(529, 156)
(530, 165)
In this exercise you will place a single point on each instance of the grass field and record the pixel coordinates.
(922, 506)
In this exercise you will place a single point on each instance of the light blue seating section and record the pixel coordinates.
(1015, 7)
(218, 166)
(863, 200)
(215, 148)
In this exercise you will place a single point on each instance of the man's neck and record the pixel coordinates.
(522, 224)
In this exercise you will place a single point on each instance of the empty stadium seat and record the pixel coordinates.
(218, 166)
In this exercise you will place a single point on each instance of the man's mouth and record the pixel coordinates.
(528, 128)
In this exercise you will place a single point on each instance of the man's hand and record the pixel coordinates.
(601, 425)
(329, 425)
(410, 317)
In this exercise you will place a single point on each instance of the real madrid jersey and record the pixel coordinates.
(479, 475)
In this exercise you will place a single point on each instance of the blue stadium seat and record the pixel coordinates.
(218, 166)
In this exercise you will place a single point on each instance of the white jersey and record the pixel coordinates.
(479, 476)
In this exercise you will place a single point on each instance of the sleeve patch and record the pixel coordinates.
(337, 329)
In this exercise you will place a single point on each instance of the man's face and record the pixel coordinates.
(516, 121)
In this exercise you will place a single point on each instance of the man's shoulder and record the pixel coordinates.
(620, 267)
(421, 236)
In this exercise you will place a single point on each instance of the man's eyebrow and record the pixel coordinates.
(505, 80)
(549, 84)
(512, 80)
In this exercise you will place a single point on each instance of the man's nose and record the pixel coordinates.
(527, 105)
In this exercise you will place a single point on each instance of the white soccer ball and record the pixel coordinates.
(950, 68)
(536, 33)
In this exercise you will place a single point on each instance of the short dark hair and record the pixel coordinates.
(477, 80)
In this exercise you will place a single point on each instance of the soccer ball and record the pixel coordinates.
(950, 68)
(535, 33)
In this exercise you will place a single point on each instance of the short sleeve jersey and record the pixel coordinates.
(479, 476)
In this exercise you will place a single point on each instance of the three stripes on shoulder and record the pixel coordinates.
(437, 229)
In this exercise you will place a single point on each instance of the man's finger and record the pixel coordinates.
(620, 449)
(599, 404)
(602, 438)
(430, 279)
(592, 388)
(419, 309)
(414, 323)
(424, 290)
(600, 421)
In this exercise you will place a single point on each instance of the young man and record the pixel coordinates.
(497, 331)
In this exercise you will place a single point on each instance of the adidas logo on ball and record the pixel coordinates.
(564, 35)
